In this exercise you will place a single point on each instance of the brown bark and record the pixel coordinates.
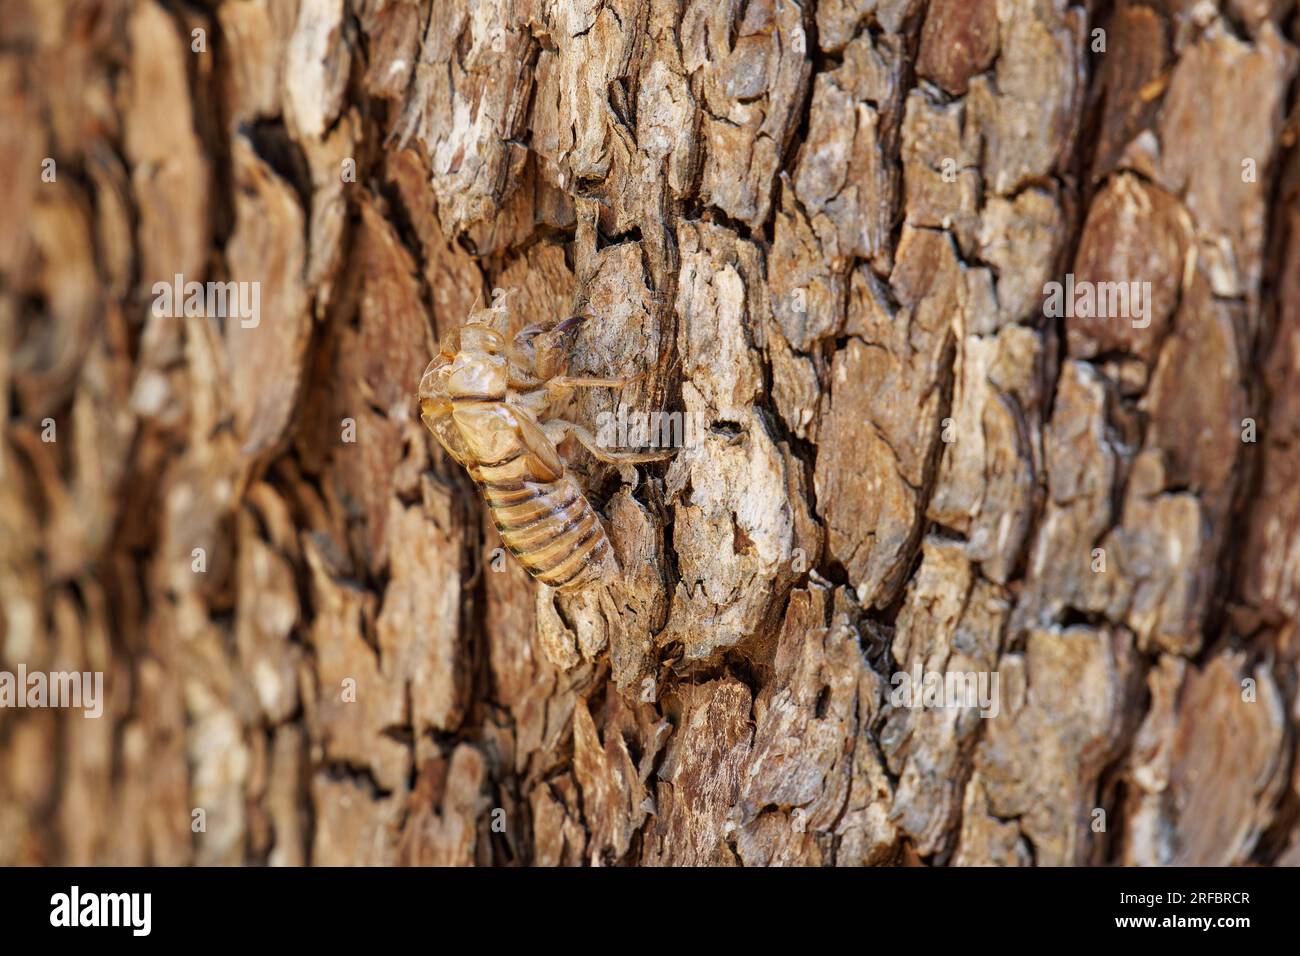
(822, 230)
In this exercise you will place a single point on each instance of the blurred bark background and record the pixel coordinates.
(823, 228)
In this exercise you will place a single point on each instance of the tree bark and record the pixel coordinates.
(824, 234)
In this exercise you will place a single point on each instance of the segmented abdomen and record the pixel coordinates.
(548, 525)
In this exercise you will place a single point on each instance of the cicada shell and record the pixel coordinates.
(485, 400)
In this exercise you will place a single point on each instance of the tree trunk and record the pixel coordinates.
(825, 235)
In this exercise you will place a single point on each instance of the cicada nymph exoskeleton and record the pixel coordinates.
(491, 401)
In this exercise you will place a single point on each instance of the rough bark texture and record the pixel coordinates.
(824, 229)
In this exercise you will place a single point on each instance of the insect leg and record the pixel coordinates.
(565, 381)
(557, 386)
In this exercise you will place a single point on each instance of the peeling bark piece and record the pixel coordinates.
(941, 180)
(950, 624)
(985, 840)
(572, 628)
(642, 591)
(809, 725)
(558, 643)
(1135, 240)
(777, 838)
(1148, 834)
(987, 476)
(266, 256)
(396, 340)
(452, 275)
(1228, 763)
(444, 810)
(883, 406)
(419, 625)
(722, 373)
(918, 343)
(393, 30)
(807, 285)
(960, 39)
(465, 105)
(847, 177)
(169, 170)
(839, 21)
(559, 836)
(700, 778)
(1012, 494)
(266, 616)
(1060, 718)
(1196, 399)
(1082, 463)
(613, 795)
(317, 63)
(1158, 562)
(753, 75)
(1228, 207)
(1129, 82)
(796, 388)
(356, 703)
(735, 535)
(1027, 110)
(354, 826)
(582, 114)
(1020, 238)
(869, 511)
(255, 35)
